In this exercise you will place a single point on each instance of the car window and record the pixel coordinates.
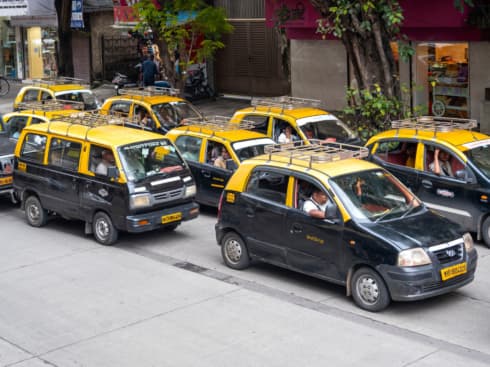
(268, 185)
(260, 122)
(120, 107)
(442, 162)
(36, 120)
(30, 95)
(189, 147)
(64, 154)
(400, 153)
(281, 134)
(16, 125)
(33, 148)
(45, 96)
(100, 159)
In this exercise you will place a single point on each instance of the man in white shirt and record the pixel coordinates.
(316, 205)
(441, 165)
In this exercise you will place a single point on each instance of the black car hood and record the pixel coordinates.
(423, 230)
(7, 146)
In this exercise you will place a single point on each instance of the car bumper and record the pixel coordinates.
(410, 284)
(153, 220)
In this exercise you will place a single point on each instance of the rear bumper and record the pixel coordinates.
(153, 220)
(424, 282)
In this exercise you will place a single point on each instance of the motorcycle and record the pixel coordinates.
(121, 80)
(196, 85)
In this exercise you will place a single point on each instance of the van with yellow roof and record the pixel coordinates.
(87, 167)
(304, 118)
(62, 88)
(321, 210)
(445, 163)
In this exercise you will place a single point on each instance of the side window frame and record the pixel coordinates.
(189, 147)
(63, 150)
(429, 158)
(38, 143)
(263, 185)
(399, 154)
(262, 121)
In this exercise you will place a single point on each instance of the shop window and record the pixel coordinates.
(442, 72)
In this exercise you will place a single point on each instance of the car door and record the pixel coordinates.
(213, 177)
(62, 186)
(264, 211)
(190, 148)
(399, 157)
(313, 245)
(450, 196)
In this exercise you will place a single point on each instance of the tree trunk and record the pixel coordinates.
(64, 52)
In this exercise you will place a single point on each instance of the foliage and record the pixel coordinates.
(183, 42)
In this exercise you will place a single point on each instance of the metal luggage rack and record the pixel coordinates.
(435, 124)
(60, 80)
(285, 102)
(218, 123)
(89, 119)
(315, 152)
(150, 91)
(51, 105)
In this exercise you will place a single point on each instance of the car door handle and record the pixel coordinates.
(296, 228)
(250, 212)
(427, 184)
(205, 173)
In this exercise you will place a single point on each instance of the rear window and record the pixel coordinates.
(33, 148)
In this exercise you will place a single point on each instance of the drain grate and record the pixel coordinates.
(191, 267)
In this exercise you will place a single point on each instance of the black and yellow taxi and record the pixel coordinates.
(303, 117)
(7, 147)
(152, 108)
(320, 210)
(214, 148)
(445, 163)
(89, 168)
(37, 112)
(62, 88)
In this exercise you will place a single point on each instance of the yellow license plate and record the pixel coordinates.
(453, 271)
(5, 181)
(171, 217)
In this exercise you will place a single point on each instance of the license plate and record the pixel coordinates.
(5, 181)
(171, 217)
(453, 271)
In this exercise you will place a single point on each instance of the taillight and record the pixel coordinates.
(220, 204)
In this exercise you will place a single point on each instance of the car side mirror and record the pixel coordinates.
(463, 175)
(332, 214)
(112, 172)
(231, 165)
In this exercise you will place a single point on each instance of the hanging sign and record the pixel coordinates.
(11, 8)
(76, 14)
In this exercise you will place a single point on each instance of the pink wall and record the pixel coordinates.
(425, 20)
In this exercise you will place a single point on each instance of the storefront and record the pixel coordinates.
(8, 49)
(447, 76)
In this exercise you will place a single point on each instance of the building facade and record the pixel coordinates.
(447, 76)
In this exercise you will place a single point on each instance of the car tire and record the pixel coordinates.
(170, 228)
(369, 290)
(485, 231)
(36, 215)
(104, 231)
(234, 251)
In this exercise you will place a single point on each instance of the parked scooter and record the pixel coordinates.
(124, 81)
(196, 85)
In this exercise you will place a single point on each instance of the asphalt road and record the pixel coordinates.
(167, 299)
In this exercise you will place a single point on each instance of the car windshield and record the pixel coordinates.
(375, 195)
(156, 157)
(171, 114)
(325, 127)
(87, 97)
(250, 148)
(480, 157)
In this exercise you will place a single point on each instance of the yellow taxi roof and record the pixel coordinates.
(152, 100)
(40, 113)
(295, 113)
(232, 135)
(456, 138)
(61, 87)
(111, 135)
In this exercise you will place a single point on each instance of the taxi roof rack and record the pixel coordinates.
(316, 151)
(50, 105)
(150, 91)
(285, 102)
(218, 123)
(435, 124)
(60, 80)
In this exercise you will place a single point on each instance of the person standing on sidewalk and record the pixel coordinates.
(149, 70)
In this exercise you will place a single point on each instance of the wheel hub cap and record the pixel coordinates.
(234, 250)
(368, 289)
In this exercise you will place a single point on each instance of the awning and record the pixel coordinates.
(41, 13)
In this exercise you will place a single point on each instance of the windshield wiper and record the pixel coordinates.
(411, 207)
(385, 213)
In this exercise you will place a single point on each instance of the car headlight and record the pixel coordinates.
(139, 201)
(190, 191)
(468, 242)
(413, 257)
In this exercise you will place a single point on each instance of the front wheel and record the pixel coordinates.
(4, 86)
(485, 231)
(104, 231)
(36, 215)
(369, 290)
(234, 251)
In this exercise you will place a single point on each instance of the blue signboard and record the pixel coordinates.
(77, 14)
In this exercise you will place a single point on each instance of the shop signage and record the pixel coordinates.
(10, 8)
(77, 14)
